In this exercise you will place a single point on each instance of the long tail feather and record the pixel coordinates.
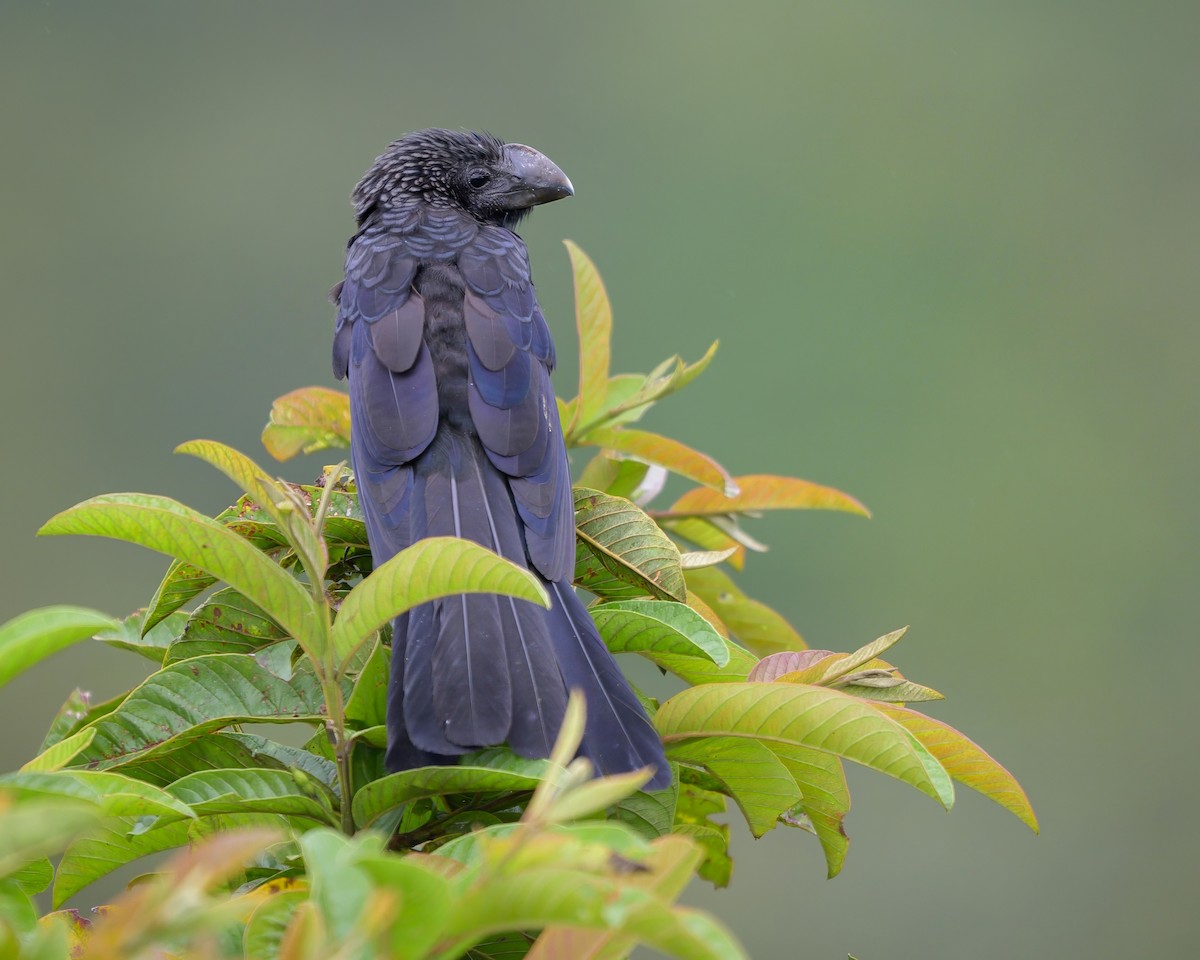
(618, 735)
(478, 670)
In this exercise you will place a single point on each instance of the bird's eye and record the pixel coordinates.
(479, 178)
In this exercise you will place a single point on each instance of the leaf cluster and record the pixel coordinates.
(310, 849)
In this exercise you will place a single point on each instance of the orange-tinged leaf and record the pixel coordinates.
(766, 492)
(966, 761)
(675, 456)
(307, 420)
(593, 317)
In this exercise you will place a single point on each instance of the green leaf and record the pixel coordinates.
(650, 814)
(675, 456)
(386, 794)
(806, 715)
(58, 755)
(593, 317)
(621, 553)
(425, 904)
(966, 762)
(30, 830)
(367, 706)
(35, 876)
(105, 849)
(670, 375)
(227, 622)
(266, 752)
(132, 635)
(658, 626)
(893, 690)
(218, 751)
(256, 791)
(765, 492)
(70, 717)
(560, 895)
(291, 514)
(193, 698)
(179, 584)
(113, 795)
(667, 871)
(118, 842)
(18, 915)
(268, 923)
(31, 637)
(502, 946)
(339, 887)
(754, 624)
(757, 779)
(307, 420)
(697, 670)
(429, 569)
(826, 798)
(584, 799)
(166, 525)
(713, 838)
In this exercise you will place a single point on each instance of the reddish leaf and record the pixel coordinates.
(789, 661)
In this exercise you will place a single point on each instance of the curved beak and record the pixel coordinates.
(535, 178)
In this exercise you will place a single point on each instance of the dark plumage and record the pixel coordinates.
(455, 431)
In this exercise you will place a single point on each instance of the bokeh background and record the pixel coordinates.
(950, 250)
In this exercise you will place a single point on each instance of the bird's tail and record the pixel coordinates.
(478, 670)
(618, 736)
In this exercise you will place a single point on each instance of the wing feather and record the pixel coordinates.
(511, 399)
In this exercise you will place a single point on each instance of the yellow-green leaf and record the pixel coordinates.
(166, 525)
(429, 569)
(810, 716)
(593, 317)
(825, 797)
(29, 638)
(58, 755)
(757, 779)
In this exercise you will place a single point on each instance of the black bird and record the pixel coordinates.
(455, 431)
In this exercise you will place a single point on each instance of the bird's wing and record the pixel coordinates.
(511, 399)
(394, 401)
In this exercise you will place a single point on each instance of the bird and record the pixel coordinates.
(455, 432)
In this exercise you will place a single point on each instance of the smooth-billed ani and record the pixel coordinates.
(455, 431)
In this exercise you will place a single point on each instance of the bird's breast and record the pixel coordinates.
(442, 289)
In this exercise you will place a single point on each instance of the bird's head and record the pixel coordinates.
(494, 181)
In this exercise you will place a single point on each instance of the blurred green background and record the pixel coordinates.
(950, 250)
